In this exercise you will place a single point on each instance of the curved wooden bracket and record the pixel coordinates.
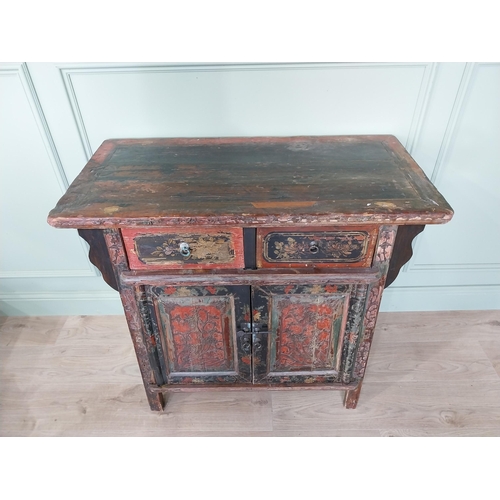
(99, 255)
(402, 250)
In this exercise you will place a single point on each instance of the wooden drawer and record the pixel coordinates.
(323, 247)
(189, 248)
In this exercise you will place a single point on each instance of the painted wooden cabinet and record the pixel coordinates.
(251, 263)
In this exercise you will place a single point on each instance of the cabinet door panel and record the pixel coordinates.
(311, 329)
(196, 328)
(308, 332)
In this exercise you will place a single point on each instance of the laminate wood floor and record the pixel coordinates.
(429, 374)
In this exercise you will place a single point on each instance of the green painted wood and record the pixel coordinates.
(250, 181)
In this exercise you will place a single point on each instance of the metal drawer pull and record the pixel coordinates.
(313, 247)
(184, 250)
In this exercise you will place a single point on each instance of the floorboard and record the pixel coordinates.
(429, 374)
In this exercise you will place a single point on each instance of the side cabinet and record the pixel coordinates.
(252, 328)
(251, 262)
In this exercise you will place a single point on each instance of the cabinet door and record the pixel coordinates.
(196, 333)
(308, 333)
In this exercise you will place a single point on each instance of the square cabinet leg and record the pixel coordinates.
(156, 401)
(351, 397)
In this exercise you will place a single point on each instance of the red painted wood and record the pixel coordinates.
(129, 236)
(311, 326)
(304, 340)
(201, 337)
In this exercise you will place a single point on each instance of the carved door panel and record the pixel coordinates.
(196, 333)
(306, 334)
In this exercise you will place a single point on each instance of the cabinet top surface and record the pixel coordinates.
(250, 181)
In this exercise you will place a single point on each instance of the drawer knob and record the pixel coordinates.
(313, 247)
(184, 249)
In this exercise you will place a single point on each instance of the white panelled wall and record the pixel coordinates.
(53, 116)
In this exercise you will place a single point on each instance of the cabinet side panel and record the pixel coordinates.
(385, 246)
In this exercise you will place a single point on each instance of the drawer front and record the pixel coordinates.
(322, 247)
(193, 248)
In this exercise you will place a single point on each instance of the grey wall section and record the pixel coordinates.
(53, 116)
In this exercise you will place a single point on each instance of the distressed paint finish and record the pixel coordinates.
(200, 333)
(312, 326)
(307, 328)
(354, 330)
(385, 246)
(259, 181)
(289, 385)
(373, 304)
(325, 247)
(131, 306)
(116, 250)
(151, 340)
(159, 248)
(197, 330)
(352, 396)
(248, 277)
(308, 331)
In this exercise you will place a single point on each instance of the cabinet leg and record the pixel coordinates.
(138, 327)
(351, 397)
(156, 401)
(132, 313)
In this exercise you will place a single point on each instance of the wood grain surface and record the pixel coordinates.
(253, 181)
(429, 374)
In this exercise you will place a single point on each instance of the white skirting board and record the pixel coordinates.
(395, 299)
(61, 304)
(441, 298)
